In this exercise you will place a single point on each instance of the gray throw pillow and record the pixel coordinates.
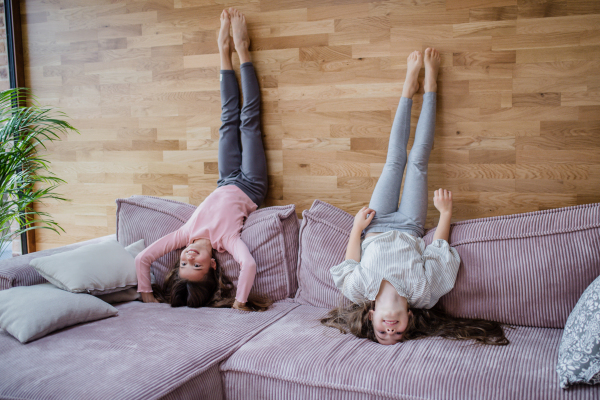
(31, 312)
(96, 269)
(579, 351)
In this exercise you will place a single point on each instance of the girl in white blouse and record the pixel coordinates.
(392, 278)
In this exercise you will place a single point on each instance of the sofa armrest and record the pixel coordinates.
(16, 271)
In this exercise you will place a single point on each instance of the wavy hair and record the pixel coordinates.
(424, 323)
(215, 290)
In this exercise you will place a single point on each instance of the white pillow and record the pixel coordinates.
(96, 269)
(30, 312)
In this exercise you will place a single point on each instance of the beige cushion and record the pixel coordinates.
(97, 269)
(31, 312)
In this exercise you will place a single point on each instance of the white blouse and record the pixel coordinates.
(422, 274)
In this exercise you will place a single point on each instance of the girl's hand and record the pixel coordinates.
(361, 221)
(239, 306)
(442, 200)
(149, 298)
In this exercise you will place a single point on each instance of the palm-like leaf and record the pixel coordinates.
(25, 177)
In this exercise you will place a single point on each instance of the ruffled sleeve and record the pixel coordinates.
(441, 263)
(348, 279)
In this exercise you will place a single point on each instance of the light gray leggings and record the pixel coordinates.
(242, 160)
(410, 216)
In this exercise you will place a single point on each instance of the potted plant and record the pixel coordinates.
(25, 177)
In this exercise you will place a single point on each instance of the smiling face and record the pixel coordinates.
(389, 325)
(390, 316)
(196, 260)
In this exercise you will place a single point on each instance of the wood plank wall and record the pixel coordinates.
(518, 126)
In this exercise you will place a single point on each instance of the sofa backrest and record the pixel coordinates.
(271, 234)
(324, 234)
(525, 269)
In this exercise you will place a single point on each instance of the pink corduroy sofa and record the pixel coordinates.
(528, 270)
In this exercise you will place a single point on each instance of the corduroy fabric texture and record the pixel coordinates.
(150, 218)
(271, 235)
(324, 234)
(297, 358)
(146, 352)
(525, 269)
(206, 386)
(16, 271)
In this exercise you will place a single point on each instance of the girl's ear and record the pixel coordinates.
(213, 264)
(371, 312)
(410, 314)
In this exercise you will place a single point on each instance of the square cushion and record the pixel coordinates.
(272, 238)
(271, 235)
(298, 358)
(31, 312)
(100, 268)
(579, 351)
(324, 235)
(16, 271)
(524, 269)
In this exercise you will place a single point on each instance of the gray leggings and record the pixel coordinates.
(410, 216)
(242, 160)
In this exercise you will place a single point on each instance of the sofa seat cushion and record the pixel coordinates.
(146, 352)
(298, 358)
(525, 269)
(271, 234)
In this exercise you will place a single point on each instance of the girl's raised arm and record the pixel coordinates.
(162, 246)
(238, 249)
(361, 221)
(442, 200)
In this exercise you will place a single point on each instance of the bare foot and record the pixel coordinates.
(432, 67)
(411, 84)
(241, 40)
(224, 41)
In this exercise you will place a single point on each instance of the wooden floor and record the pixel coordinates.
(518, 125)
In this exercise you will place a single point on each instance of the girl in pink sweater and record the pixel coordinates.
(216, 224)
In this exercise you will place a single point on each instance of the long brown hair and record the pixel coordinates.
(423, 323)
(215, 290)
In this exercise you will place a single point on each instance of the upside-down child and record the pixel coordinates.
(392, 278)
(216, 224)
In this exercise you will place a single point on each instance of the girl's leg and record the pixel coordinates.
(384, 199)
(414, 197)
(230, 151)
(254, 162)
(387, 191)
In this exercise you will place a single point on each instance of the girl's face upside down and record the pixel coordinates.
(390, 316)
(196, 260)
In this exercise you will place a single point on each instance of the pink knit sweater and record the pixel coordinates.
(219, 218)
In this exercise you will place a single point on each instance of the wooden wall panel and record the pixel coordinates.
(518, 122)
